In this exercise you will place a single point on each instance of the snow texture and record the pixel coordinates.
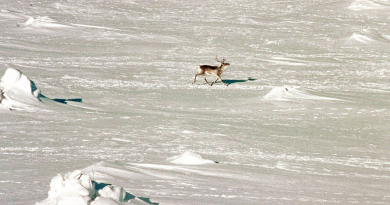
(304, 118)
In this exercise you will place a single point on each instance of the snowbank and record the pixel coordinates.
(17, 91)
(189, 158)
(76, 188)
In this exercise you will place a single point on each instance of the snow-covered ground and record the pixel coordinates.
(304, 120)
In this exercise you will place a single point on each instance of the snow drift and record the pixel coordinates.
(290, 94)
(189, 158)
(18, 92)
(42, 21)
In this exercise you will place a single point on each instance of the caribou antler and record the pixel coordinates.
(216, 58)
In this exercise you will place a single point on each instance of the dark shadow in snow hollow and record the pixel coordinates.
(65, 101)
(229, 81)
(128, 197)
(147, 200)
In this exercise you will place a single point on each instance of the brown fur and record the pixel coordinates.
(215, 71)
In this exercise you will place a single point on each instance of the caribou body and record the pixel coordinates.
(214, 71)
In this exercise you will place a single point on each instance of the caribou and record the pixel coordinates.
(214, 71)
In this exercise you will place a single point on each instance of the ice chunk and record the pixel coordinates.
(17, 91)
(113, 192)
(72, 188)
(78, 189)
(104, 201)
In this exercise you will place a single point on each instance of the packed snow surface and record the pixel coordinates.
(105, 87)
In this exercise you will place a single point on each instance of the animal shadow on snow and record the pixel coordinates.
(232, 81)
(65, 101)
(128, 197)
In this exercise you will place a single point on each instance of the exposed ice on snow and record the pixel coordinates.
(113, 192)
(17, 91)
(78, 189)
(189, 158)
(369, 4)
(368, 36)
(285, 93)
(42, 21)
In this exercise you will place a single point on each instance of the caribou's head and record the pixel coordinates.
(222, 62)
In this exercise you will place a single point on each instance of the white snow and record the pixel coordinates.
(304, 119)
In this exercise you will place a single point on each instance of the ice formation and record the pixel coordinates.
(78, 189)
(17, 91)
(110, 195)
(189, 158)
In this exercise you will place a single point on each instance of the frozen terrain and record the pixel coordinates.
(104, 87)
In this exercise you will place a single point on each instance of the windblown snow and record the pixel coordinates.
(97, 104)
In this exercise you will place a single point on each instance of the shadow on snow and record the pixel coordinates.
(65, 101)
(232, 81)
(128, 197)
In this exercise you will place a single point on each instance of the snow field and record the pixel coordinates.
(119, 101)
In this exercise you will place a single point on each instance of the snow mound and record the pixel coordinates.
(291, 94)
(17, 91)
(368, 36)
(78, 189)
(359, 5)
(42, 21)
(189, 158)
